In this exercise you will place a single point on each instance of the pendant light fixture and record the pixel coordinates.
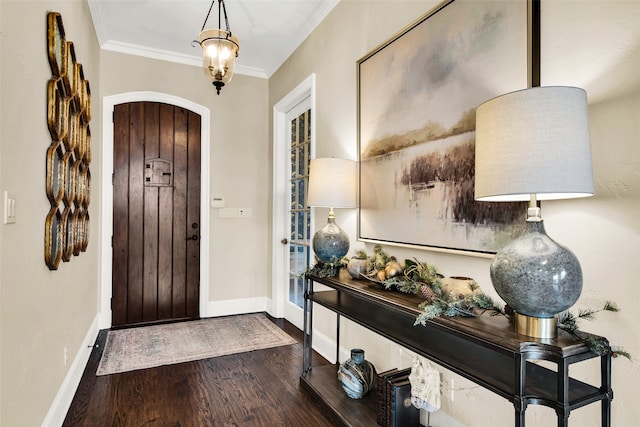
(219, 49)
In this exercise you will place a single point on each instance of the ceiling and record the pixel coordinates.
(269, 30)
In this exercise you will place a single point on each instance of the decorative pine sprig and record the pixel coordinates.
(569, 322)
(327, 269)
(449, 305)
(482, 301)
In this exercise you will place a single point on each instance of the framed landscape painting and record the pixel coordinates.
(417, 95)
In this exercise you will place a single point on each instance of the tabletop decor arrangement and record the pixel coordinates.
(443, 298)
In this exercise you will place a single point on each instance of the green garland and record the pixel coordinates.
(423, 279)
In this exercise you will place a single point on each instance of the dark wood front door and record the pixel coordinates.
(156, 213)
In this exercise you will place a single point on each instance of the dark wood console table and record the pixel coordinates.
(483, 349)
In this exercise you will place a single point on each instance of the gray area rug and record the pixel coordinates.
(151, 346)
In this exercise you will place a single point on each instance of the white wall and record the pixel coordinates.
(42, 311)
(238, 165)
(593, 44)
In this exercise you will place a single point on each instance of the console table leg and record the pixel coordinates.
(606, 413)
(520, 414)
(520, 375)
(563, 393)
(605, 387)
(563, 419)
(307, 327)
(337, 339)
(304, 325)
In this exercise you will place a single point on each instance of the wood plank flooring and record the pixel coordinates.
(258, 388)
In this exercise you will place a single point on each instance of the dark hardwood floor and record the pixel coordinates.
(257, 388)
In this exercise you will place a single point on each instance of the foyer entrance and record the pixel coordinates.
(156, 213)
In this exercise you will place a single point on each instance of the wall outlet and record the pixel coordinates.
(446, 389)
(66, 355)
(9, 207)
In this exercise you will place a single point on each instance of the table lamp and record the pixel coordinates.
(534, 145)
(332, 184)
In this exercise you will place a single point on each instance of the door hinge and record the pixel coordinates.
(111, 241)
(113, 178)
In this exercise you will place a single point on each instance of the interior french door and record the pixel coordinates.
(298, 220)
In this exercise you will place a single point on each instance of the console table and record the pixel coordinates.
(483, 349)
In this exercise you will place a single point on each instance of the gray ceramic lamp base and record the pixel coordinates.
(330, 243)
(538, 278)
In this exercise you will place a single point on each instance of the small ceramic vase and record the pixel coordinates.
(357, 267)
(459, 286)
(357, 375)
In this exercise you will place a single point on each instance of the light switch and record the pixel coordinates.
(9, 207)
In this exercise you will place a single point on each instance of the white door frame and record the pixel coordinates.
(279, 277)
(108, 105)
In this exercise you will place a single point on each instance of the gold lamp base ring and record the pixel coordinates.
(536, 327)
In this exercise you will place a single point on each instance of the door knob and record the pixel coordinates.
(284, 241)
(194, 237)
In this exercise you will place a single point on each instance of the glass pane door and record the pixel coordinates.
(299, 213)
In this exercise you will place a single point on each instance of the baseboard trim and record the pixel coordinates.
(64, 397)
(230, 307)
(324, 346)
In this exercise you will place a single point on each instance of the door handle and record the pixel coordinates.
(284, 241)
(194, 237)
